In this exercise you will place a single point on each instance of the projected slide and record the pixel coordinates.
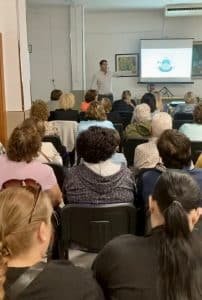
(167, 63)
(166, 60)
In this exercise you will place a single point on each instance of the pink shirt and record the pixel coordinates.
(42, 173)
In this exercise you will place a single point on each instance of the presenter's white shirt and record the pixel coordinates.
(102, 83)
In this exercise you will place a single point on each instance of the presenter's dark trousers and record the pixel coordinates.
(109, 96)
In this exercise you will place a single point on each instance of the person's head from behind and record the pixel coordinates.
(91, 95)
(55, 95)
(106, 104)
(142, 113)
(197, 114)
(96, 111)
(67, 101)
(126, 95)
(36, 123)
(174, 149)
(160, 122)
(97, 144)
(104, 65)
(189, 98)
(174, 204)
(39, 110)
(24, 144)
(149, 99)
(25, 231)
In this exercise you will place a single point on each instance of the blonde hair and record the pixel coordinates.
(39, 110)
(159, 102)
(189, 98)
(160, 122)
(67, 101)
(106, 104)
(16, 228)
(96, 111)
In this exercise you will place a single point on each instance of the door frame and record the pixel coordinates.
(3, 118)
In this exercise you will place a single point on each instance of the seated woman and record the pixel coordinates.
(150, 100)
(54, 97)
(146, 155)
(25, 234)
(194, 130)
(90, 96)
(188, 106)
(66, 111)
(95, 116)
(175, 151)
(39, 110)
(141, 123)
(98, 180)
(113, 116)
(125, 104)
(47, 152)
(165, 265)
(19, 162)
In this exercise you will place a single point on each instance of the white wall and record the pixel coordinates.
(9, 30)
(108, 33)
(48, 33)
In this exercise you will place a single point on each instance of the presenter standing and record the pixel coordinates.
(102, 81)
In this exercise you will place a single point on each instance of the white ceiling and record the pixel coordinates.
(116, 4)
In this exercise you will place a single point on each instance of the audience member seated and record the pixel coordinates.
(39, 110)
(25, 235)
(150, 100)
(66, 111)
(54, 97)
(165, 265)
(147, 155)
(112, 116)
(90, 96)
(20, 163)
(98, 180)
(175, 151)
(2, 149)
(47, 153)
(125, 104)
(95, 116)
(141, 123)
(194, 130)
(188, 106)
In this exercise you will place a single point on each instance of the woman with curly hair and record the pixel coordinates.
(19, 162)
(39, 110)
(95, 116)
(98, 180)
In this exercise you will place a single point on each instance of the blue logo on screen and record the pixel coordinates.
(165, 65)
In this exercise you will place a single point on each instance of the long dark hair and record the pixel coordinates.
(177, 194)
(149, 99)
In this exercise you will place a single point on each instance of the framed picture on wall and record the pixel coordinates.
(197, 59)
(127, 65)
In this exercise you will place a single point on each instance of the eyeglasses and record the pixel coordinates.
(29, 184)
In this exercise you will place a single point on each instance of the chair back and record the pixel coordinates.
(129, 146)
(91, 227)
(68, 132)
(196, 150)
(119, 128)
(60, 173)
(178, 123)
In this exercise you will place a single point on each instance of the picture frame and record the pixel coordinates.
(197, 59)
(127, 65)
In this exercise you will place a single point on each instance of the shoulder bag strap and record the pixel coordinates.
(25, 280)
